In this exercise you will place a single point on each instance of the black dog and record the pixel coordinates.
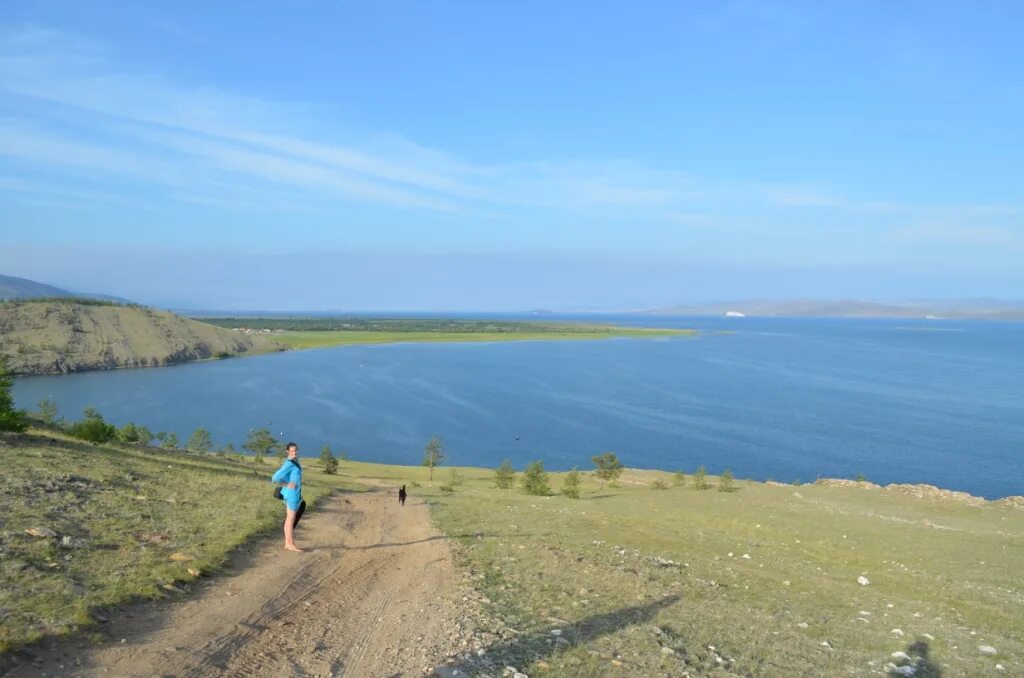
(401, 496)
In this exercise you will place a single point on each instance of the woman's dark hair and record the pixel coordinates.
(290, 446)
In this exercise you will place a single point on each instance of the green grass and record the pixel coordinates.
(598, 569)
(588, 567)
(317, 339)
(132, 508)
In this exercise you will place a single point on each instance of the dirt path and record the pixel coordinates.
(370, 597)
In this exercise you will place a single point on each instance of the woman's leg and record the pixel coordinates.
(289, 530)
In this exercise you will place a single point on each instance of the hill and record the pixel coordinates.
(23, 288)
(59, 336)
(978, 309)
(644, 577)
(12, 287)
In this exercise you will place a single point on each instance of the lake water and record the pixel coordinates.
(938, 402)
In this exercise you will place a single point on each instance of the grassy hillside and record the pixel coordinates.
(109, 523)
(760, 581)
(628, 580)
(49, 337)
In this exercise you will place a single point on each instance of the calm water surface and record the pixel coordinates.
(939, 402)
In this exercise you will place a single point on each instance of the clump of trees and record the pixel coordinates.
(168, 440)
(433, 455)
(328, 460)
(725, 482)
(505, 476)
(92, 428)
(609, 468)
(535, 480)
(11, 418)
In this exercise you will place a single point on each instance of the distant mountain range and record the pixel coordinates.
(12, 287)
(980, 309)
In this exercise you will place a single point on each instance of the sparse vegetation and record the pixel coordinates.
(168, 440)
(328, 461)
(46, 410)
(726, 482)
(259, 442)
(92, 428)
(200, 441)
(433, 455)
(700, 481)
(535, 480)
(609, 468)
(679, 479)
(505, 476)
(11, 418)
(659, 484)
(571, 484)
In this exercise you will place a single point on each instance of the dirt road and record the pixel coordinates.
(371, 596)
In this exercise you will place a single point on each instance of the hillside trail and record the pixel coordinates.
(371, 596)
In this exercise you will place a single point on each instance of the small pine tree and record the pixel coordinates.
(505, 475)
(433, 454)
(259, 442)
(11, 419)
(725, 482)
(678, 478)
(571, 484)
(700, 479)
(228, 449)
(145, 436)
(200, 441)
(171, 441)
(535, 479)
(609, 468)
(328, 461)
(129, 433)
(47, 411)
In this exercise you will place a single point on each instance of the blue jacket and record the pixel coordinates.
(290, 472)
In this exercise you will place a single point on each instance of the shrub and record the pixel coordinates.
(725, 482)
(609, 468)
(228, 450)
(659, 485)
(328, 461)
(129, 433)
(678, 478)
(47, 411)
(92, 428)
(11, 419)
(453, 480)
(168, 441)
(535, 480)
(505, 475)
(700, 479)
(571, 484)
(200, 441)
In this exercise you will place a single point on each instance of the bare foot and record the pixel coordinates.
(293, 548)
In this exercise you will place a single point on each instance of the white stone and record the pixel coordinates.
(864, 613)
(1000, 667)
(987, 649)
(902, 656)
(667, 651)
(863, 581)
(897, 632)
(827, 644)
(746, 556)
(802, 625)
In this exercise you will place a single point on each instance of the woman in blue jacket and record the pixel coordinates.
(289, 476)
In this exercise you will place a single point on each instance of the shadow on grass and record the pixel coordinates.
(920, 665)
(543, 644)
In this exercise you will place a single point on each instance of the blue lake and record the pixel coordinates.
(938, 402)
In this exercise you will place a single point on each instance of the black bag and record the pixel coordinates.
(277, 490)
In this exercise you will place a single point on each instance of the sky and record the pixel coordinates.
(512, 155)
